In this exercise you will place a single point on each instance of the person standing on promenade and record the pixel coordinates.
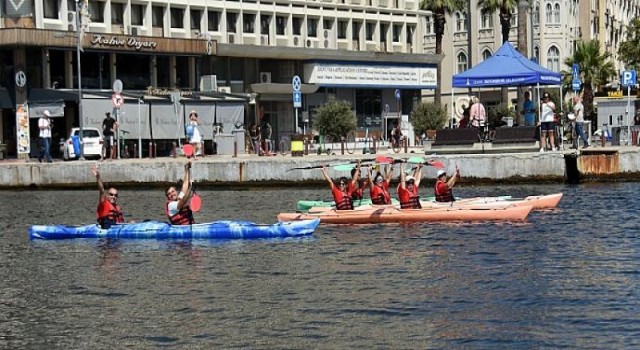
(108, 131)
(177, 206)
(578, 111)
(444, 188)
(478, 116)
(193, 134)
(108, 212)
(529, 110)
(379, 187)
(547, 123)
(45, 125)
(342, 193)
(408, 188)
(265, 133)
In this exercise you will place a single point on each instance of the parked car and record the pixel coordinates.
(93, 142)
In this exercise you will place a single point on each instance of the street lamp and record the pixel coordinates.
(78, 49)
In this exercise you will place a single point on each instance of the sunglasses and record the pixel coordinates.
(343, 184)
(113, 194)
(411, 182)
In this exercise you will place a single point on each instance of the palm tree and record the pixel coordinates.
(596, 68)
(504, 8)
(440, 8)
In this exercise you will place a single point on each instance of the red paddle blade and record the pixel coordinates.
(188, 150)
(384, 160)
(195, 203)
(436, 164)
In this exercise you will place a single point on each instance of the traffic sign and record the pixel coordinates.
(575, 85)
(117, 86)
(117, 100)
(297, 83)
(398, 94)
(628, 77)
(297, 99)
(575, 70)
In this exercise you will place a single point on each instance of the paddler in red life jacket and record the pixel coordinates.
(177, 206)
(379, 187)
(408, 188)
(443, 189)
(358, 186)
(342, 193)
(108, 212)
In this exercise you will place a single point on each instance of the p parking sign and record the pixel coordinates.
(628, 77)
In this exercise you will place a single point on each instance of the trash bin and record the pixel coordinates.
(297, 145)
(225, 144)
(615, 135)
(76, 144)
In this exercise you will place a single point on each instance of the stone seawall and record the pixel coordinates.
(622, 163)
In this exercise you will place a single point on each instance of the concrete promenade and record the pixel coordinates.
(250, 170)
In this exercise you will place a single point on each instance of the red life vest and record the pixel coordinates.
(443, 192)
(380, 194)
(409, 199)
(108, 214)
(343, 199)
(184, 216)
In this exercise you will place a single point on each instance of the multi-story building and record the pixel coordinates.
(356, 50)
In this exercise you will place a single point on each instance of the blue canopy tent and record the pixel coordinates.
(507, 67)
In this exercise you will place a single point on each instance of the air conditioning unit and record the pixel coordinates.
(224, 89)
(208, 83)
(133, 31)
(265, 77)
(296, 40)
(71, 20)
(264, 40)
(231, 38)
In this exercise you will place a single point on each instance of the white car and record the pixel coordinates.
(93, 142)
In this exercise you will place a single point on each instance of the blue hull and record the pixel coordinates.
(162, 230)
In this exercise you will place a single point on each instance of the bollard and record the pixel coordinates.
(306, 146)
(154, 147)
(602, 139)
(150, 147)
(174, 151)
(634, 138)
(406, 145)
(235, 148)
(373, 145)
(342, 140)
(135, 150)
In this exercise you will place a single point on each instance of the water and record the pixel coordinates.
(566, 278)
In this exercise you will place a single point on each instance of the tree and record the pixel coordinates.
(427, 116)
(504, 8)
(523, 7)
(440, 8)
(629, 51)
(335, 118)
(596, 69)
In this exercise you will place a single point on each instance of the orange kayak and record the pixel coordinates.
(537, 202)
(390, 214)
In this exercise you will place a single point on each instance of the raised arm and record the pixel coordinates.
(186, 186)
(96, 173)
(389, 171)
(402, 176)
(326, 176)
(356, 175)
(454, 178)
(417, 173)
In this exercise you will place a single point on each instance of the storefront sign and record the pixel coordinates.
(354, 75)
(22, 129)
(167, 92)
(128, 42)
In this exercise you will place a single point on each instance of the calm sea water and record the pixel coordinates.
(565, 278)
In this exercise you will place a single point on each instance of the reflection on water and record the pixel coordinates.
(564, 278)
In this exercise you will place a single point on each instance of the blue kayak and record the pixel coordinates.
(163, 230)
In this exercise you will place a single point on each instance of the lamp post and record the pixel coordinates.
(78, 49)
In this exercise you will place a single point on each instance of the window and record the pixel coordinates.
(232, 18)
(312, 27)
(96, 10)
(157, 15)
(137, 15)
(553, 59)
(536, 54)
(486, 54)
(429, 25)
(342, 29)
(369, 29)
(397, 32)
(461, 22)
(514, 18)
(297, 25)
(196, 17)
(383, 32)
(355, 34)
(265, 23)
(327, 24)
(213, 19)
(549, 13)
(410, 31)
(248, 23)
(281, 25)
(177, 18)
(462, 62)
(536, 15)
(51, 9)
(486, 19)
(117, 11)
(556, 13)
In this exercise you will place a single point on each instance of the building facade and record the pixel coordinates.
(357, 50)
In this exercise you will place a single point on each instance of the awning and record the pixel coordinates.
(5, 100)
(48, 95)
(274, 88)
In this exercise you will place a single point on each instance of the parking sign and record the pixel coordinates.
(628, 77)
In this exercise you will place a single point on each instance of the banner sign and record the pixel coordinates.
(22, 129)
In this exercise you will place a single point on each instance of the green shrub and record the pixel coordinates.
(496, 113)
(335, 118)
(427, 116)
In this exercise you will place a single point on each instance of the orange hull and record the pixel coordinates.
(537, 202)
(389, 214)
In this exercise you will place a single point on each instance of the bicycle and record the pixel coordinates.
(350, 142)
